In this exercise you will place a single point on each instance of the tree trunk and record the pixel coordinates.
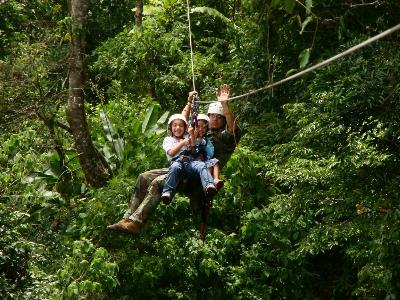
(94, 166)
(139, 14)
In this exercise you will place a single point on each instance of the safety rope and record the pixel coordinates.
(317, 66)
(190, 43)
(194, 110)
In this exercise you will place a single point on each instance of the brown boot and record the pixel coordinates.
(119, 226)
(126, 225)
(132, 226)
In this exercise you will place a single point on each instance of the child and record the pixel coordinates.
(177, 146)
(204, 149)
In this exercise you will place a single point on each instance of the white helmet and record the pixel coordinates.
(176, 117)
(172, 118)
(203, 117)
(216, 108)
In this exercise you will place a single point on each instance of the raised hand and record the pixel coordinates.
(223, 93)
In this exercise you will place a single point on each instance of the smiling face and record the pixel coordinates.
(178, 128)
(202, 128)
(217, 121)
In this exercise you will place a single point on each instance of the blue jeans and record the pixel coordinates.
(190, 170)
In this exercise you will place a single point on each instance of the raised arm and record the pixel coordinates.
(223, 96)
(186, 109)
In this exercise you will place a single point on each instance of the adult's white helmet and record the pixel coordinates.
(216, 108)
(203, 117)
(176, 117)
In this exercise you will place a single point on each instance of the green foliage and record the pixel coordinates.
(15, 252)
(335, 162)
(211, 12)
(87, 273)
(108, 18)
(310, 205)
(22, 271)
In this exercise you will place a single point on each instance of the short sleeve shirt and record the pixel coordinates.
(224, 143)
(169, 142)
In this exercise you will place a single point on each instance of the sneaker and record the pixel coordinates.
(211, 190)
(218, 184)
(166, 197)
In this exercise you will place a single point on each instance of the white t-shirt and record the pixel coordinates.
(169, 142)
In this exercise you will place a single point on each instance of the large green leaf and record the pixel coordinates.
(305, 23)
(289, 5)
(112, 135)
(151, 115)
(309, 5)
(304, 57)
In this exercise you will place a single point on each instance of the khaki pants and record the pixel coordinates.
(147, 194)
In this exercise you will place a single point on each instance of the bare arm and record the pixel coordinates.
(175, 149)
(186, 109)
(192, 135)
(223, 96)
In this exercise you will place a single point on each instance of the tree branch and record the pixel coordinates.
(62, 126)
(364, 4)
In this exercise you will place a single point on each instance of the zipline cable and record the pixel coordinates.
(317, 66)
(190, 43)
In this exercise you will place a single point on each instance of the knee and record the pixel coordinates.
(175, 167)
(141, 176)
(199, 164)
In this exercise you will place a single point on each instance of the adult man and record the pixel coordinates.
(224, 134)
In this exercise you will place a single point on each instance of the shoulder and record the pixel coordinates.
(168, 139)
(225, 137)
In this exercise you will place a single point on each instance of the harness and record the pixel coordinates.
(184, 156)
(199, 151)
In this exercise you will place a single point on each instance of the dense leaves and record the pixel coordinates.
(310, 207)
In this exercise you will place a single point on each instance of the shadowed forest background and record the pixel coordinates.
(311, 206)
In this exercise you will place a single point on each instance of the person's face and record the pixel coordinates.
(202, 128)
(217, 121)
(178, 128)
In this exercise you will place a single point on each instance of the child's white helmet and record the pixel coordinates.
(203, 117)
(216, 108)
(172, 118)
(176, 117)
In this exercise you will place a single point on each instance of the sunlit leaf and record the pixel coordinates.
(304, 24)
(304, 57)
(309, 5)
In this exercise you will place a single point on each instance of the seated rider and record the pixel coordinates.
(204, 149)
(225, 135)
(177, 146)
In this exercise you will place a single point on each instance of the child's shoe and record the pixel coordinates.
(218, 184)
(166, 197)
(211, 190)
